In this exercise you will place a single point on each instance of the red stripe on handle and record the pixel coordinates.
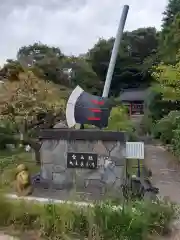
(94, 119)
(97, 102)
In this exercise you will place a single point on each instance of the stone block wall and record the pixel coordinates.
(109, 147)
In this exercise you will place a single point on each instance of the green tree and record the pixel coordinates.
(170, 41)
(169, 37)
(29, 104)
(130, 70)
(164, 128)
(164, 95)
(32, 54)
(49, 63)
(11, 70)
(82, 74)
(172, 9)
(168, 84)
(25, 99)
(45, 61)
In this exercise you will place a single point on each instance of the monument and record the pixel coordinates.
(86, 160)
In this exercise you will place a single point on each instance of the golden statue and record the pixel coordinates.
(23, 185)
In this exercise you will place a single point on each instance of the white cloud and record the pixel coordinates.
(73, 25)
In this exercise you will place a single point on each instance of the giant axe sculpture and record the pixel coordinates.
(84, 108)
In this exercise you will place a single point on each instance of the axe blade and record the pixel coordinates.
(70, 108)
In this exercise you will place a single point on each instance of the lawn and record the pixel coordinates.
(9, 160)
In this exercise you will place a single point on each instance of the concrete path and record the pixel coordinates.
(166, 171)
(6, 237)
(166, 176)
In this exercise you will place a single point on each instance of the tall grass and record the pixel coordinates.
(63, 221)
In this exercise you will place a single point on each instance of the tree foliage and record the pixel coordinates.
(26, 98)
(168, 83)
(83, 74)
(164, 129)
(11, 70)
(169, 36)
(32, 54)
(49, 63)
(165, 105)
(119, 120)
(172, 8)
(170, 40)
(136, 56)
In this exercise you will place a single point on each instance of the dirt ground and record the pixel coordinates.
(166, 176)
(30, 235)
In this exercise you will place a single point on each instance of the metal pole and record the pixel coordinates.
(115, 51)
(139, 169)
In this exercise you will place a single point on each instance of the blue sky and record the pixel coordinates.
(73, 25)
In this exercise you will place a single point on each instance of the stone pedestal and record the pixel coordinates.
(109, 147)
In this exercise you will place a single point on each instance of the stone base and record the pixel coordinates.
(108, 175)
(91, 193)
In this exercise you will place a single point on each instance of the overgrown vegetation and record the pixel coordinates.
(119, 120)
(103, 221)
(163, 115)
(162, 118)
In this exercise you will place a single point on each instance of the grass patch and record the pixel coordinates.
(9, 160)
(63, 221)
(132, 165)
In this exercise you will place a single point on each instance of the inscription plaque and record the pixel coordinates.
(82, 160)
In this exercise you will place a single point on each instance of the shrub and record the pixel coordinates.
(120, 121)
(135, 221)
(146, 124)
(164, 128)
(176, 141)
(7, 129)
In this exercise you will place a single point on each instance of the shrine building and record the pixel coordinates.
(134, 99)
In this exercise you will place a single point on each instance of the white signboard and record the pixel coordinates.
(135, 150)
